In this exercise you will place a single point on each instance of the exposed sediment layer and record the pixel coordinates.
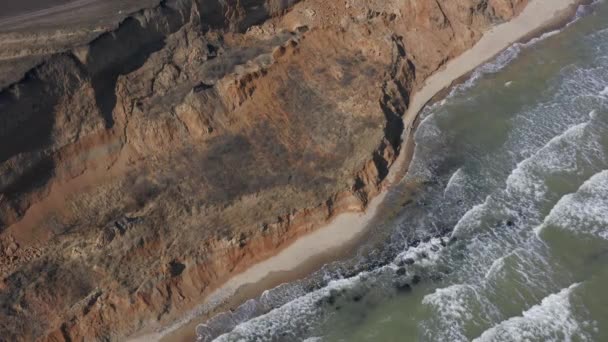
(313, 250)
(187, 144)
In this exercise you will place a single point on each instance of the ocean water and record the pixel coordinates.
(499, 231)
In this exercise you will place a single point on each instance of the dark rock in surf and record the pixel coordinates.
(409, 261)
(402, 285)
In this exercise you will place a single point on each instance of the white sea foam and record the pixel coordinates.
(428, 133)
(450, 305)
(558, 154)
(593, 114)
(497, 266)
(456, 181)
(525, 190)
(525, 183)
(428, 129)
(510, 54)
(291, 319)
(470, 219)
(313, 339)
(583, 212)
(426, 253)
(500, 62)
(570, 152)
(551, 320)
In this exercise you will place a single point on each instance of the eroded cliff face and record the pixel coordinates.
(141, 167)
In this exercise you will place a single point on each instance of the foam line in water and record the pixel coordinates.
(471, 218)
(575, 149)
(551, 156)
(499, 264)
(313, 339)
(551, 320)
(585, 211)
(593, 114)
(451, 305)
(510, 54)
(500, 62)
(456, 179)
(290, 320)
(425, 253)
(521, 181)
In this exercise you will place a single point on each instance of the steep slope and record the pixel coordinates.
(143, 163)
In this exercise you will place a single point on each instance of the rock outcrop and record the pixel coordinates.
(144, 162)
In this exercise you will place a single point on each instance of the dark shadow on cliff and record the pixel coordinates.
(26, 115)
(119, 53)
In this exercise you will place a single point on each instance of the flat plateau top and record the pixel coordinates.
(14, 8)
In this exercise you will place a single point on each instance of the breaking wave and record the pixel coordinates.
(583, 212)
(551, 320)
(485, 212)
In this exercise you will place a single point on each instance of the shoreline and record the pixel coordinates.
(336, 239)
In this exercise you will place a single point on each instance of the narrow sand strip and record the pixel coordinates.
(537, 15)
(347, 227)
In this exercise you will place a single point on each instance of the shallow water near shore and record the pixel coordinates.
(499, 231)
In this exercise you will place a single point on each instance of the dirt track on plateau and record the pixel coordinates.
(33, 14)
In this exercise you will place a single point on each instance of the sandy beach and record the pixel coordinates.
(338, 237)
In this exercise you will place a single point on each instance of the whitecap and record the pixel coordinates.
(497, 266)
(551, 320)
(313, 339)
(558, 154)
(583, 212)
(451, 305)
(523, 183)
(425, 253)
(456, 181)
(471, 218)
(292, 319)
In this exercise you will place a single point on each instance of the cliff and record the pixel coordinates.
(145, 159)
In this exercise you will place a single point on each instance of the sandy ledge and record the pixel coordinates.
(337, 238)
